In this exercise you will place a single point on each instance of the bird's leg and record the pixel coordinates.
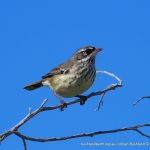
(64, 105)
(82, 99)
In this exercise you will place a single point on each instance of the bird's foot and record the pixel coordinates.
(82, 99)
(63, 105)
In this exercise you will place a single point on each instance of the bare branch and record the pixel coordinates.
(91, 134)
(110, 86)
(141, 98)
(110, 74)
(23, 121)
(100, 102)
(42, 108)
(14, 130)
(24, 143)
(143, 134)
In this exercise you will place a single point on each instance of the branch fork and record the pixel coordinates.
(42, 107)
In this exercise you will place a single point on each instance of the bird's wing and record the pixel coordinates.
(61, 69)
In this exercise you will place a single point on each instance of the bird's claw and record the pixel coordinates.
(63, 105)
(82, 99)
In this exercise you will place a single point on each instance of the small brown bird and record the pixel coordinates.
(73, 77)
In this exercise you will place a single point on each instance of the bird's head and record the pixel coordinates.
(85, 54)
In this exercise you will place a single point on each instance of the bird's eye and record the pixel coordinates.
(84, 53)
(89, 51)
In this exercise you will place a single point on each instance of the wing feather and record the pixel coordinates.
(61, 69)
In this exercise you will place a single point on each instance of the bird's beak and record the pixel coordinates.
(98, 50)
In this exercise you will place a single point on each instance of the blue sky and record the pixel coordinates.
(36, 36)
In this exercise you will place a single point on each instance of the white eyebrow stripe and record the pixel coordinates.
(82, 50)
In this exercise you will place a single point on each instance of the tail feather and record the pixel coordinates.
(34, 85)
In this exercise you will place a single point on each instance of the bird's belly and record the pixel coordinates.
(71, 85)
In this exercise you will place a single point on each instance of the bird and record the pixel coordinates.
(71, 78)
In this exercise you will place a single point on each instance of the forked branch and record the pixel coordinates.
(31, 114)
(42, 108)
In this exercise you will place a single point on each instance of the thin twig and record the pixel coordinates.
(141, 98)
(100, 102)
(110, 74)
(24, 143)
(143, 134)
(23, 121)
(91, 134)
(112, 85)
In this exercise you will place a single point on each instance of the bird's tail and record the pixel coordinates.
(34, 85)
